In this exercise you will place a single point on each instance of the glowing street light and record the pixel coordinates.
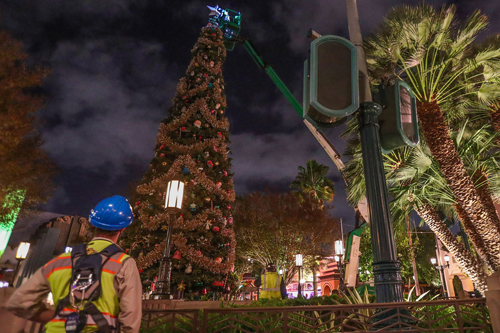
(441, 269)
(173, 205)
(21, 254)
(298, 263)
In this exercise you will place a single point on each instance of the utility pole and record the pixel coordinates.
(386, 268)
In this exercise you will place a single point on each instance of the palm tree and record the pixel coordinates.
(312, 182)
(416, 182)
(431, 50)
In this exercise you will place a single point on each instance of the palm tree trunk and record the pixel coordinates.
(471, 266)
(484, 193)
(444, 151)
(474, 237)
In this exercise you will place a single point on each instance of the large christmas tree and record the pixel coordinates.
(191, 146)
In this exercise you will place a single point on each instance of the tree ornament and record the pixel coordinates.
(215, 148)
(207, 125)
(161, 147)
(218, 259)
(189, 269)
(208, 224)
(207, 199)
(225, 173)
(204, 291)
(228, 206)
(216, 229)
(212, 64)
(192, 73)
(185, 171)
(230, 220)
(213, 111)
(224, 220)
(162, 155)
(177, 255)
(164, 163)
(207, 154)
(218, 283)
(217, 106)
(210, 85)
(205, 57)
(192, 207)
(210, 164)
(219, 134)
(216, 162)
(221, 111)
(196, 64)
(197, 123)
(219, 184)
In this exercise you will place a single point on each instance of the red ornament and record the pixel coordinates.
(219, 134)
(219, 184)
(218, 259)
(177, 255)
(216, 229)
(137, 203)
(204, 291)
(210, 164)
(218, 283)
(162, 155)
(161, 147)
(230, 220)
(225, 173)
(228, 206)
(215, 148)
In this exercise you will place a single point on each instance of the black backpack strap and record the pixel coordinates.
(98, 317)
(79, 250)
(111, 250)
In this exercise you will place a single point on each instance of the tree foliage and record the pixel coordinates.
(312, 182)
(273, 228)
(25, 169)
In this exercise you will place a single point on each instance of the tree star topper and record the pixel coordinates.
(229, 21)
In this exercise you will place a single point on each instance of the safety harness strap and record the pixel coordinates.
(98, 317)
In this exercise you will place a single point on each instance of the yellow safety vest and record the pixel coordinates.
(58, 273)
(270, 285)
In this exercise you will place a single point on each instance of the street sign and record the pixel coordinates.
(331, 90)
(398, 121)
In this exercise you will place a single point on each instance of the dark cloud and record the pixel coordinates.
(115, 65)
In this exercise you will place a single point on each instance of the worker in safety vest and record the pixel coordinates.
(272, 284)
(117, 307)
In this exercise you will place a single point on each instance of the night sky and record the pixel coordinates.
(115, 66)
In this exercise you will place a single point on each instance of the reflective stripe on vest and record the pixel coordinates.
(58, 273)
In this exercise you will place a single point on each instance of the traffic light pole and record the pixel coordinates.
(386, 268)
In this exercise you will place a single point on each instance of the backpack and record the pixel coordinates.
(85, 286)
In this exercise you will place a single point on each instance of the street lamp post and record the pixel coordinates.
(441, 269)
(21, 254)
(339, 253)
(386, 267)
(298, 263)
(173, 204)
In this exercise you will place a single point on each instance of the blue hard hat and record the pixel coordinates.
(113, 213)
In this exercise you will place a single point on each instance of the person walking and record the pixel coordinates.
(272, 284)
(96, 287)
